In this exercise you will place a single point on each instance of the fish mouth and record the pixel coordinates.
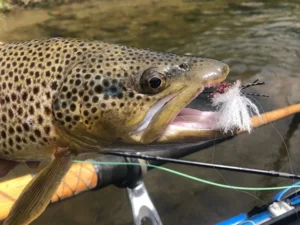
(169, 121)
(192, 125)
(187, 125)
(195, 119)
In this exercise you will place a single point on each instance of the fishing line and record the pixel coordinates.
(237, 90)
(191, 177)
(222, 88)
(224, 179)
(228, 92)
(216, 170)
(281, 137)
(285, 146)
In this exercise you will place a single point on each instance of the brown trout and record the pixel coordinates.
(63, 97)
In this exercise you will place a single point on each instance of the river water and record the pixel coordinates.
(258, 39)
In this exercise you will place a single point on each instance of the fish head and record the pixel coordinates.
(132, 96)
(169, 87)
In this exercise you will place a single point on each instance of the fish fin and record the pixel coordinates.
(38, 193)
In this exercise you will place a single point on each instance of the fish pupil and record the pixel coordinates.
(155, 82)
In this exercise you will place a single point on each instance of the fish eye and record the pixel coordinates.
(155, 82)
(152, 81)
(184, 66)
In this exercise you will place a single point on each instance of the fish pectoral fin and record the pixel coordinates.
(38, 193)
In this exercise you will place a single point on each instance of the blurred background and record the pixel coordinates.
(257, 39)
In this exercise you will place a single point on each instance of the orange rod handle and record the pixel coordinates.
(269, 117)
(81, 177)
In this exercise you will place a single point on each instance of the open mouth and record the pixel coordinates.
(169, 120)
(184, 123)
(194, 119)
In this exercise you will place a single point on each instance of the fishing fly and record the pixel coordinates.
(233, 105)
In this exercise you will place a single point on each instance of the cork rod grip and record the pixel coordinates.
(272, 116)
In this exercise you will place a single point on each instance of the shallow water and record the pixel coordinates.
(258, 39)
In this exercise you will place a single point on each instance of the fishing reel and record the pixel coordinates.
(143, 209)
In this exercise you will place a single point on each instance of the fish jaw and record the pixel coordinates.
(165, 125)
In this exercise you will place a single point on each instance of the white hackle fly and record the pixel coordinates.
(235, 109)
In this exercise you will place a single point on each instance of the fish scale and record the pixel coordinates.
(26, 111)
(61, 97)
